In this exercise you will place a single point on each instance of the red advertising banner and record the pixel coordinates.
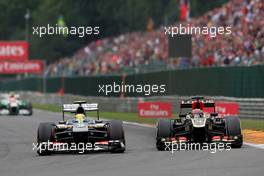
(225, 108)
(154, 109)
(34, 66)
(14, 50)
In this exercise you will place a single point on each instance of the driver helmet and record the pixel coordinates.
(80, 114)
(12, 95)
(197, 113)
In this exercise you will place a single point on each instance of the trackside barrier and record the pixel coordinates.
(248, 107)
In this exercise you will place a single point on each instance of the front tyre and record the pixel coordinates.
(116, 133)
(45, 135)
(164, 128)
(233, 131)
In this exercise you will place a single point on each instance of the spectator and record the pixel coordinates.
(245, 46)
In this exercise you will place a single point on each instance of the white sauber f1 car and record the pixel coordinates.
(11, 104)
(95, 135)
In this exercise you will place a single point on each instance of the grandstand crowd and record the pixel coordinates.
(245, 46)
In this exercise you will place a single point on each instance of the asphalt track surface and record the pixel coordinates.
(17, 133)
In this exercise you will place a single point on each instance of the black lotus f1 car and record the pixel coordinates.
(197, 126)
(80, 133)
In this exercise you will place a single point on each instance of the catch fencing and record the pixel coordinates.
(245, 82)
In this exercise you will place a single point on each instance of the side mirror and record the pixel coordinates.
(98, 121)
(182, 115)
(62, 122)
(214, 114)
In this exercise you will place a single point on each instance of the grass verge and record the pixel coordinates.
(253, 124)
(47, 107)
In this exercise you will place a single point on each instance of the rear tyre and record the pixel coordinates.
(164, 128)
(116, 132)
(233, 130)
(45, 134)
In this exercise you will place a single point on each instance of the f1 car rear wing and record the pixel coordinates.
(198, 103)
(189, 103)
(72, 108)
(8, 95)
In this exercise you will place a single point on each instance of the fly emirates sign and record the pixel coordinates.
(13, 51)
(34, 66)
(154, 109)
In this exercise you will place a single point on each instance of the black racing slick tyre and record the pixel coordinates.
(30, 112)
(164, 128)
(116, 133)
(30, 109)
(233, 130)
(45, 134)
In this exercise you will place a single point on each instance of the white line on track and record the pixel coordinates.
(260, 146)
